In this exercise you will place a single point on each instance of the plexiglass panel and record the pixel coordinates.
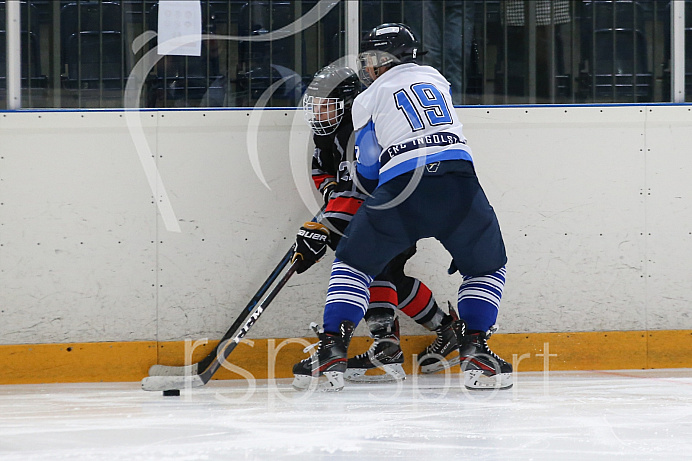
(106, 53)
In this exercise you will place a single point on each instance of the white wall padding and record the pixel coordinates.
(594, 203)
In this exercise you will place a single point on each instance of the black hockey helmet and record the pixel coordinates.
(386, 45)
(396, 39)
(328, 96)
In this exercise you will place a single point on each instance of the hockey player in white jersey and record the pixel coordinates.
(414, 160)
(327, 108)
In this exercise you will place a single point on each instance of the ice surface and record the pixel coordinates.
(617, 415)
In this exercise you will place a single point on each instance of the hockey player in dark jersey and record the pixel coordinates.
(327, 109)
(413, 159)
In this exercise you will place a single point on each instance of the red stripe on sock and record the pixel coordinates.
(419, 302)
(383, 295)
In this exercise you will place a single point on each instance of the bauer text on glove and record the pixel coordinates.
(311, 245)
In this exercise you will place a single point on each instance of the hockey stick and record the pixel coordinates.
(165, 383)
(197, 368)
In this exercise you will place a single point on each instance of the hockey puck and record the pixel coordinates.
(171, 393)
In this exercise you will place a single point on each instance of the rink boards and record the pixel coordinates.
(122, 233)
(274, 358)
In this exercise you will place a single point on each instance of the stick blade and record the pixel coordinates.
(167, 383)
(166, 370)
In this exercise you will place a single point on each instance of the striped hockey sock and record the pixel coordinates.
(347, 296)
(382, 295)
(479, 299)
(420, 305)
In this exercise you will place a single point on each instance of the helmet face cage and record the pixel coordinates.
(328, 97)
(323, 114)
(370, 63)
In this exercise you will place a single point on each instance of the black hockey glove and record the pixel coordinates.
(327, 191)
(311, 245)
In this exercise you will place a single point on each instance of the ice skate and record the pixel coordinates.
(482, 368)
(439, 355)
(328, 361)
(384, 354)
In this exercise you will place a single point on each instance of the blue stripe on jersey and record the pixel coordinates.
(412, 164)
(348, 296)
(368, 152)
(479, 299)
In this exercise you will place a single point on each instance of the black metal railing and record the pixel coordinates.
(79, 53)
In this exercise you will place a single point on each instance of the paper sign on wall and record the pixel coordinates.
(180, 27)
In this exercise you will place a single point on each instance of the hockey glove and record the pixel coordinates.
(311, 245)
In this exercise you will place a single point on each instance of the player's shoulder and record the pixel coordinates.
(383, 84)
(407, 74)
(429, 72)
(408, 70)
(361, 109)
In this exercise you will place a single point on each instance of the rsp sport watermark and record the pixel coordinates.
(298, 152)
(416, 386)
(136, 82)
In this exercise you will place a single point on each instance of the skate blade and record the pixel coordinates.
(392, 372)
(475, 379)
(333, 382)
(439, 365)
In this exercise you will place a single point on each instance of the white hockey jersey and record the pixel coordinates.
(404, 120)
